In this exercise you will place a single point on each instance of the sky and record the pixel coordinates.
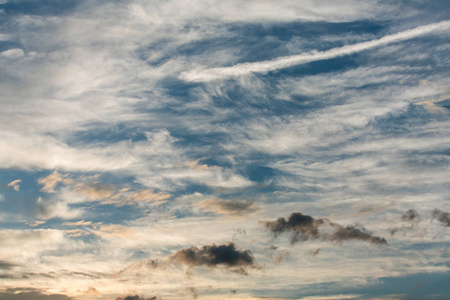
(205, 149)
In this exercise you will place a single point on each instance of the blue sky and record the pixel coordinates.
(224, 149)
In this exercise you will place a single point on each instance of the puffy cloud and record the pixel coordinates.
(411, 215)
(303, 227)
(214, 256)
(15, 184)
(12, 53)
(299, 224)
(443, 217)
(54, 208)
(353, 233)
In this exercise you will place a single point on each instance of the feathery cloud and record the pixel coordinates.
(289, 61)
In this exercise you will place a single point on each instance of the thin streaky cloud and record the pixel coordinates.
(289, 61)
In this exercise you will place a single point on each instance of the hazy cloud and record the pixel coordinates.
(91, 291)
(13, 294)
(144, 265)
(91, 189)
(228, 207)
(4, 265)
(303, 227)
(192, 291)
(214, 256)
(443, 217)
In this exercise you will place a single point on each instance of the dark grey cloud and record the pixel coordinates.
(441, 216)
(27, 294)
(303, 227)
(411, 215)
(215, 256)
(228, 207)
(354, 233)
(4, 265)
(135, 297)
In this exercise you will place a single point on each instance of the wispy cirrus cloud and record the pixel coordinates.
(285, 62)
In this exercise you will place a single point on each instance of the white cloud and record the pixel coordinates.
(15, 185)
(289, 61)
(12, 53)
(56, 208)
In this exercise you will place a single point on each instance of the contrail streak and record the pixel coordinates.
(288, 61)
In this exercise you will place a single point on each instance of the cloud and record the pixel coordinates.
(314, 252)
(135, 297)
(15, 184)
(28, 243)
(78, 223)
(303, 227)
(12, 53)
(228, 207)
(214, 256)
(55, 208)
(443, 217)
(353, 233)
(91, 291)
(4, 265)
(144, 265)
(21, 294)
(411, 215)
(192, 291)
(91, 189)
(49, 182)
(289, 61)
